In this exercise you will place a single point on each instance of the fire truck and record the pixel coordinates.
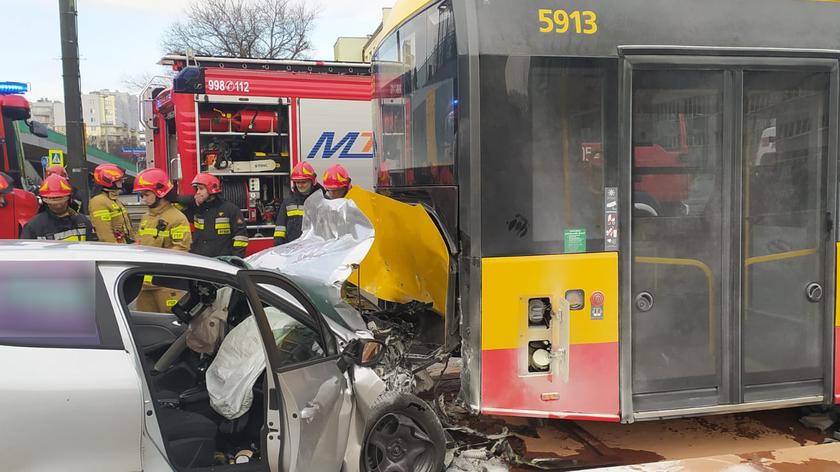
(249, 121)
(21, 205)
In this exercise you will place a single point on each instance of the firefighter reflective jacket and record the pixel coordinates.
(289, 222)
(220, 229)
(110, 218)
(70, 227)
(165, 227)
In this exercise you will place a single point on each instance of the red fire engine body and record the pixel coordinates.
(21, 205)
(250, 121)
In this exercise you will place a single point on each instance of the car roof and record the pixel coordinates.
(33, 250)
(325, 296)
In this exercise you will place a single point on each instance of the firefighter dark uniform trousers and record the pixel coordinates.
(289, 222)
(70, 227)
(164, 227)
(220, 229)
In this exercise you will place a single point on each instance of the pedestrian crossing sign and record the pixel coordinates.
(56, 157)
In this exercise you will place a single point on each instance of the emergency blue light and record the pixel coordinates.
(9, 88)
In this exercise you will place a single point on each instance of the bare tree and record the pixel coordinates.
(263, 29)
(134, 83)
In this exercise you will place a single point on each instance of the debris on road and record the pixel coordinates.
(820, 421)
(486, 443)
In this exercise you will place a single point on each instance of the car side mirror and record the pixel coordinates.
(38, 129)
(364, 352)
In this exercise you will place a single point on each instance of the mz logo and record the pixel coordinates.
(345, 146)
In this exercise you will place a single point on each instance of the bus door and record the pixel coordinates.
(732, 242)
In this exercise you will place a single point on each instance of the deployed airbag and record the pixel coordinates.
(230, 378)
(239, 362)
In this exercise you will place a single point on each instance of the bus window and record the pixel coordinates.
(786, 115)
(676, 122)
(388, 114)
(543, 154)
(416, 102)
(785, 158)
(678, 230)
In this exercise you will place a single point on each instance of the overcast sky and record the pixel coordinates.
(121, 38)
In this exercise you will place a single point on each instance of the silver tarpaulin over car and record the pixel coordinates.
(336, 236)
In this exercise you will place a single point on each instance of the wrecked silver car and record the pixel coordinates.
(259, 365)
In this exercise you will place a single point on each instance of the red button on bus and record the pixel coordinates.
(596, 300)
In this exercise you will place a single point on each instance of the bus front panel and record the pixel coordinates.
(550, 336)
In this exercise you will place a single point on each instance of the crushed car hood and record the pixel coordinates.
(389, 249)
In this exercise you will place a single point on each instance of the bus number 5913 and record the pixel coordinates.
(559, 21)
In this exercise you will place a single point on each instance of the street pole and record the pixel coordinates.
(76, 149)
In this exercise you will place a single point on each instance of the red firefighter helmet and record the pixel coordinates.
(6, 183)
(154, 180)
(336, 177)
(107, 175)
(208, 180)
(55, 186)
(56, 169)
(305, 171)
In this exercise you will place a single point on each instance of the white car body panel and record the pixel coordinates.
(153, 451)
(154, 458)
(93, 415)
(90, 409)
(367, 388)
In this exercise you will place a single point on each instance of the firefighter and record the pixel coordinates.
(75, 201)
(108, 214)
(336, 182)
(58, 222)
(289, 221)
(163, 226)
(220, 229)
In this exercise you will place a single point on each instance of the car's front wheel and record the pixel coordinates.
(403, 434)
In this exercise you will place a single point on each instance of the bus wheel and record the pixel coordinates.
(403, 434)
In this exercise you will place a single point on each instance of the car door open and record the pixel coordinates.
(309, 399)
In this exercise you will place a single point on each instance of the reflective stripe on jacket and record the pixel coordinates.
(110, 219)
(165, 227)
(71, 227)
(220, 229)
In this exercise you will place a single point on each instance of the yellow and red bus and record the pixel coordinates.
(638, 197)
